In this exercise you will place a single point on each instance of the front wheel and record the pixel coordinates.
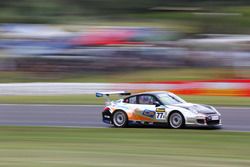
(120, 119)
(176, 120)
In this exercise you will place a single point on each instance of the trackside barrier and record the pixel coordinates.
(188, 88)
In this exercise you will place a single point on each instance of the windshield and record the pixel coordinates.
(170, 98)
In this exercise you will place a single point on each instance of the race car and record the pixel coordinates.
(159, 107)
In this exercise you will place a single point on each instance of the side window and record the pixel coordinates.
(131, 100)
(146, 99)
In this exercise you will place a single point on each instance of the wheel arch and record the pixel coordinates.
(126, 119)
(119, 110)
(116, 110)
(183, 115)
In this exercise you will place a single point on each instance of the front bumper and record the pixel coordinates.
(206, 120)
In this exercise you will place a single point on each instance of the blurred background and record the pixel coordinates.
(63, 51)
(125, 41)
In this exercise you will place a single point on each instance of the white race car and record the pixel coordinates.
(157, 108)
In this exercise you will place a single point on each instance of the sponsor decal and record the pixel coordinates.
(148, 113)
(106, 116)
(99, 94)
(160, 109)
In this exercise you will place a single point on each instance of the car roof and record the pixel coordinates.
(150, 92)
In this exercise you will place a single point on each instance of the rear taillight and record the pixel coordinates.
(106, 109)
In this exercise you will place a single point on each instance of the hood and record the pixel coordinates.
(204, 109)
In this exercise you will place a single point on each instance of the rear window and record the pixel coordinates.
(131, 100)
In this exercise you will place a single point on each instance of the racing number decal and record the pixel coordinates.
(160, 114)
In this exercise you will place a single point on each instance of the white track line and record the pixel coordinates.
(241, 108)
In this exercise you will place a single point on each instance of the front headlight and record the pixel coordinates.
(214, 109)
(193, 110)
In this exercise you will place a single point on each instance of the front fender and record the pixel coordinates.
(186, 113)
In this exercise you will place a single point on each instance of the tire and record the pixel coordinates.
(176, 120)
(120, 119)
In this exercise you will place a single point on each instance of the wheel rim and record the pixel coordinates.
(176, 120)
(119, 119)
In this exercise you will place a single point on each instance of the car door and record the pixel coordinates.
(145, 109)
(149, 104)
(142, 109)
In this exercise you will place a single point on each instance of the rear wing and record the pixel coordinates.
(122, 93)
(107, 94)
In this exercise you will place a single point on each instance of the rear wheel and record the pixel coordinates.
(176, 120)
(120, 119)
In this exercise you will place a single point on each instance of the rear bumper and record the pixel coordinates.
(107, 117)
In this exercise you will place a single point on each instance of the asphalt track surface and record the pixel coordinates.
(234, 118)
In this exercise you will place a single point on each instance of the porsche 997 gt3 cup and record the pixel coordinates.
(157, 108)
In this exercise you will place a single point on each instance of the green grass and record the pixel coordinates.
(91, 99)
(181, 74)
(84, 147)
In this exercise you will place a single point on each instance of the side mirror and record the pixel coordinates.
(157, 104)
